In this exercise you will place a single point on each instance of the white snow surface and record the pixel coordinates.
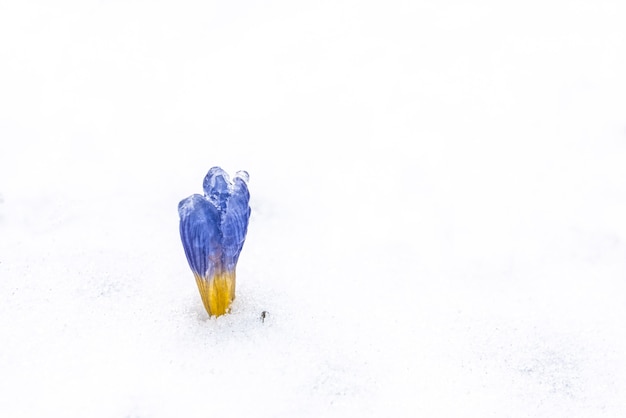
(438, 194)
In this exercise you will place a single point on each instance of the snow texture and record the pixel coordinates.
(438, 194)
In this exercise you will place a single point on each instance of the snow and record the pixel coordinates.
(438, 193)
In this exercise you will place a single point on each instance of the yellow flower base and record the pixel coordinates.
(217, 292)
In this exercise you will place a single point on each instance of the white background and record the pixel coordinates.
(438, 194)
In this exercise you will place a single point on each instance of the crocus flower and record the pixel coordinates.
(213, 229)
